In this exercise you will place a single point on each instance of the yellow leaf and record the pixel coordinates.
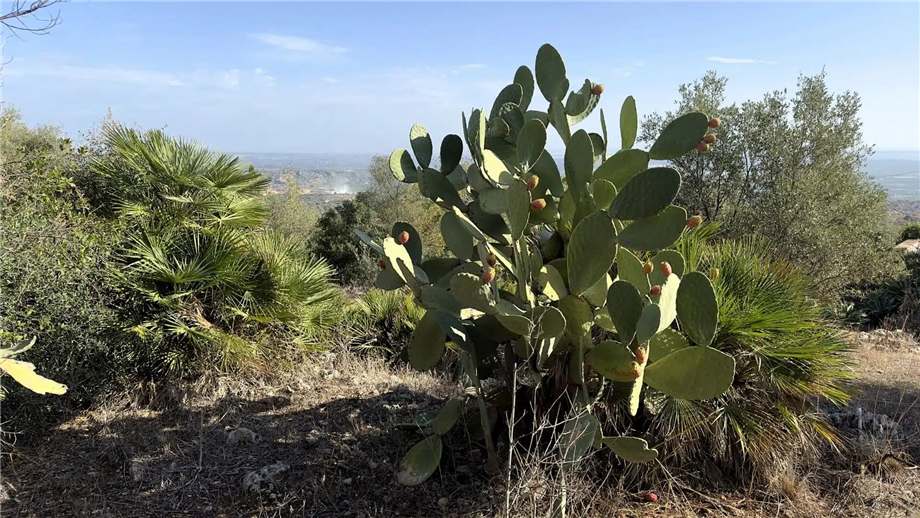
(24, 373)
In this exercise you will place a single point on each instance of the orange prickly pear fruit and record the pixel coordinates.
(538, 204)
(651, 496)
(491, 260)
(694, 221)
(714, 122)
(710, 138)
(532, 182)
(641, 355)
(647, 267)
(488, 275)
(403, 237)
(665, 268)
(655, 290)
(597, 89)
(702, 147)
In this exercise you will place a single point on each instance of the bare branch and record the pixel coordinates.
(28, 16)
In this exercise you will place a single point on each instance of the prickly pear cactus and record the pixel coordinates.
(567, 272)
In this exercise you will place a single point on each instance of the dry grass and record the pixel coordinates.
(342, 422)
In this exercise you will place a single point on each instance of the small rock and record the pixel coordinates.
(242, 436)
(442, 502)
(265, 478)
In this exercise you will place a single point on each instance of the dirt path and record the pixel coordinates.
(336, 429)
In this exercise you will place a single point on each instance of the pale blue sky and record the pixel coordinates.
(350, 77)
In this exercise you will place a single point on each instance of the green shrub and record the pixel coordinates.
(57, 282)
(911, 231)
(213, 280)
(891, 302)
(333, 239)
(788, 359)
(789, 168)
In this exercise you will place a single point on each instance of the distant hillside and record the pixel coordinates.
(898, 172)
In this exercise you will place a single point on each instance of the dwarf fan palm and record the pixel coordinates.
(212, 275)
(787, 360)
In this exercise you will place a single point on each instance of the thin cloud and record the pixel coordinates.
(102, 74)
(739, 61)
(298, 44)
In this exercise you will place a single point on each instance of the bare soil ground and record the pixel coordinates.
(341, 422)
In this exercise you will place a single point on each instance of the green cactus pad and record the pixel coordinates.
(648, 323)
(577, 436)
(664, 343)
(421, 144)
(509, 94)
(427, 345)
(614, 361)
(437, 298)
(692, 373)
(524, 77)
(591, 251)
(420, 462)
(622, 166)
(456, 236)
(667, 301)
(671, 257)
(451, 153)
(469, 225)
(495, 169)
(548, 172)
(580, 104)
(447, 417)
(629, 122)
(657, 232)
(578, 316)
(550, 322)
(470, 292)
(401, 263)
(435, 186)
(437, 267)
(603, 192)
(414, 246)
(629, 268)
(550, 72)
(476, 134)
(560, 121)
(602, 319)
(596, 295)
(624, 303)
(697, 308)
(530, 142)
(579, 161)
(513, 318)
(631, 449)
(680, 136)
(493, 226)
(493, 200)
(518, 208)
(402, 167)
(646, 194)
(387, 279)
(599, 146)
(551, 283)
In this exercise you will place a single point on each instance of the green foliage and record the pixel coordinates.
(910, 231)
(787, 359)
(333, 239)
(288, 214)
(892, 302)
(211, 278)
(788, 169)
(511, 234)
(57, 273)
